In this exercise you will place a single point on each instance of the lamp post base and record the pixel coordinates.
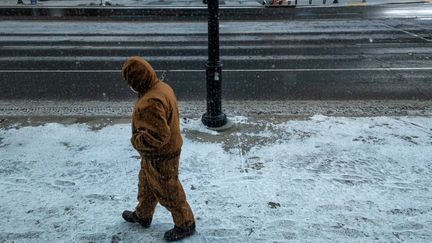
(212, 121)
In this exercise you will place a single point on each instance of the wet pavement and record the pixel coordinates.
(381, 57)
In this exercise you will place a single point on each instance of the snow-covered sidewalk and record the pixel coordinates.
(330, 179)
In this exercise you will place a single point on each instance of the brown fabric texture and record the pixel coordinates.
(156, 136)
(139, 74)
(160, 183)
(155, 117)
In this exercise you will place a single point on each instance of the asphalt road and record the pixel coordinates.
(383, 54)
(195, 3)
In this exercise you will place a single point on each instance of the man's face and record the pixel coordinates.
(136, 92)
(130, 86)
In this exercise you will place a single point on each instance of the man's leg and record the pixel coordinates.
(146, 199)
(147, 202)
(163, 179)
(175, 201)
(173, 198)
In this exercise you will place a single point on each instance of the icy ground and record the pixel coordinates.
(321, 179)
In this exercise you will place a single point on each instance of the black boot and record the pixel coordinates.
(132, 217)
(178, 233)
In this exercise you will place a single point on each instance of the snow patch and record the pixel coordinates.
(327, 179)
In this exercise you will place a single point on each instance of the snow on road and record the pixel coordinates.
(323, 179)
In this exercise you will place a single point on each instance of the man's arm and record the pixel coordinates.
(151, 127)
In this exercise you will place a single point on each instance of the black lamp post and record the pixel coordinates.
(214, 117)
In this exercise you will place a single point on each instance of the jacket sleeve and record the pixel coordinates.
(151, 127)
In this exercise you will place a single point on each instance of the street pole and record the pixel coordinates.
(214, 117)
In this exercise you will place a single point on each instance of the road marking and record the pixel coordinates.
(231, 70)
(408, 33)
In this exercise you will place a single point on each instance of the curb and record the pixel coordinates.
(163, 13)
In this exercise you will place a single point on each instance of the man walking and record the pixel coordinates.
(156, 136)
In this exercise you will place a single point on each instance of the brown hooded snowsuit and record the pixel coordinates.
(156, 136)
